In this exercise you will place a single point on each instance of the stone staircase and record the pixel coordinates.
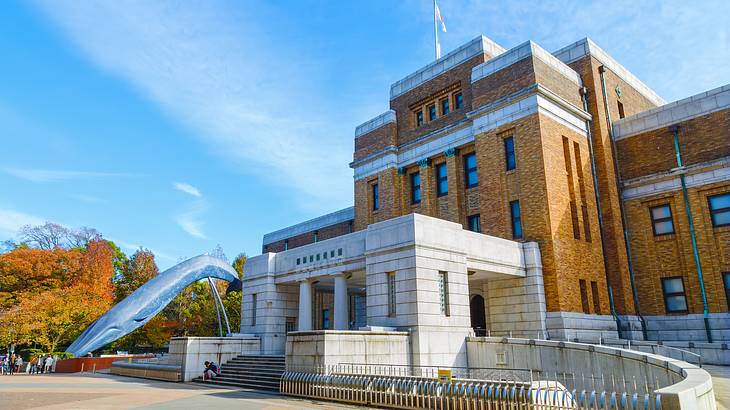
(259, 372)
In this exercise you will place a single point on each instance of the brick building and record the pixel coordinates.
(554, 159)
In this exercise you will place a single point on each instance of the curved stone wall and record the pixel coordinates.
(594, 367)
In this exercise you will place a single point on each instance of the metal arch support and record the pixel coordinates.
(148, 300)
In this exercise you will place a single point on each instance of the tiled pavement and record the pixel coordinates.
(73, 391)
(721, 384)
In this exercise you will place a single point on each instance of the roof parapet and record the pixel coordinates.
(586, 46)
(682, 110)
(479, 45)
(519, 53)
(311, 225)
(377, 122)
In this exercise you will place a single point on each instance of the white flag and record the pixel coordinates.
(438, 16)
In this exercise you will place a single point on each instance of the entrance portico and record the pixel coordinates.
(415, 274)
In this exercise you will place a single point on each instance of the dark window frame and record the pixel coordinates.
(415, 188)
(440, 191)
(621, 113)
(666, 295)
(714, 212)
(478, 219)
(469, 170)
(509, 153)
(585, 304)
(726, 282)
(375, 191)
(458, 101)
(444, 104)
(516, 220)
(595, 295)
(419, 118)
(432, 112)
(655, 221)
(391, 285)
(325, 319)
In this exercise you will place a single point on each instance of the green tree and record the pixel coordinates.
(239, 263)
(136, 271)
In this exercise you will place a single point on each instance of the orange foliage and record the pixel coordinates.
(52, 295)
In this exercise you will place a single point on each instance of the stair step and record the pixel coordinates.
(250, 385)
(247, 373)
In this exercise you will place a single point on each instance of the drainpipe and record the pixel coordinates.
(705, 311)
(601, 71)
(589, 126)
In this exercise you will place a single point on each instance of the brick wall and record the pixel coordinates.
(701, 139)
(327, 232)
(633, 102)
(460, 75)
(374, 141)
(656, 257)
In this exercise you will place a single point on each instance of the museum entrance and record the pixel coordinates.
(478, 317)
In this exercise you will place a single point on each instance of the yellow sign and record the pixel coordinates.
(444, 375)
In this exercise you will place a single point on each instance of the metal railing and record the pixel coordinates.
(411, 393)
(418, 387)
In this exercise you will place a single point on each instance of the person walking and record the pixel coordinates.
(49, 364)
(41, 363)
(4, 364)
(12, 364)
(19, 364)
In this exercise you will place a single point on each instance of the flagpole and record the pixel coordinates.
(435, 33)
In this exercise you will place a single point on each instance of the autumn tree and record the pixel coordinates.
(136, 271)
(51, 316)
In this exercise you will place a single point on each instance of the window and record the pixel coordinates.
(254, 300)
(726, 281)
(324, 255)
(419, 118)
(475, 224)
(431, 112)
(315, 236)
(720, 209)
(349, 227)
(661, 220)
(620, 110)
(596, 298)
(325, 319)
(391, 294)
(286, 244)
(299, 260)
(376, 197)
(442, 180)
(584, 296)
(317, 257)
(311, 258)
(444, 106)
(470, 170)
(332, 254)
(514, 208)
(458, 101)
(509, 153)
(339, 251)
(416, 188)
(674, 298)
(444, 293)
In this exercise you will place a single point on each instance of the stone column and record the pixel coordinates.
(305, 306)
(342, 314)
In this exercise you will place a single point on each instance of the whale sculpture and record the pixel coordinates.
(148, 300)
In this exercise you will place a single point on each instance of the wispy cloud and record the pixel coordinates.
(188, 189)
(11, 221)
(218, 71)
(48, 175)
(191, 223)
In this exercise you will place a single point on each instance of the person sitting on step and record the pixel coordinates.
(210, 371)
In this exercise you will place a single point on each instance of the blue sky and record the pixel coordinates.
(181, 125)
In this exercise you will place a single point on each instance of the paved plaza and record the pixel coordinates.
(73, 391)
(100, 391)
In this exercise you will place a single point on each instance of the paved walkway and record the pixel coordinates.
(721, 385)
(73, 391)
